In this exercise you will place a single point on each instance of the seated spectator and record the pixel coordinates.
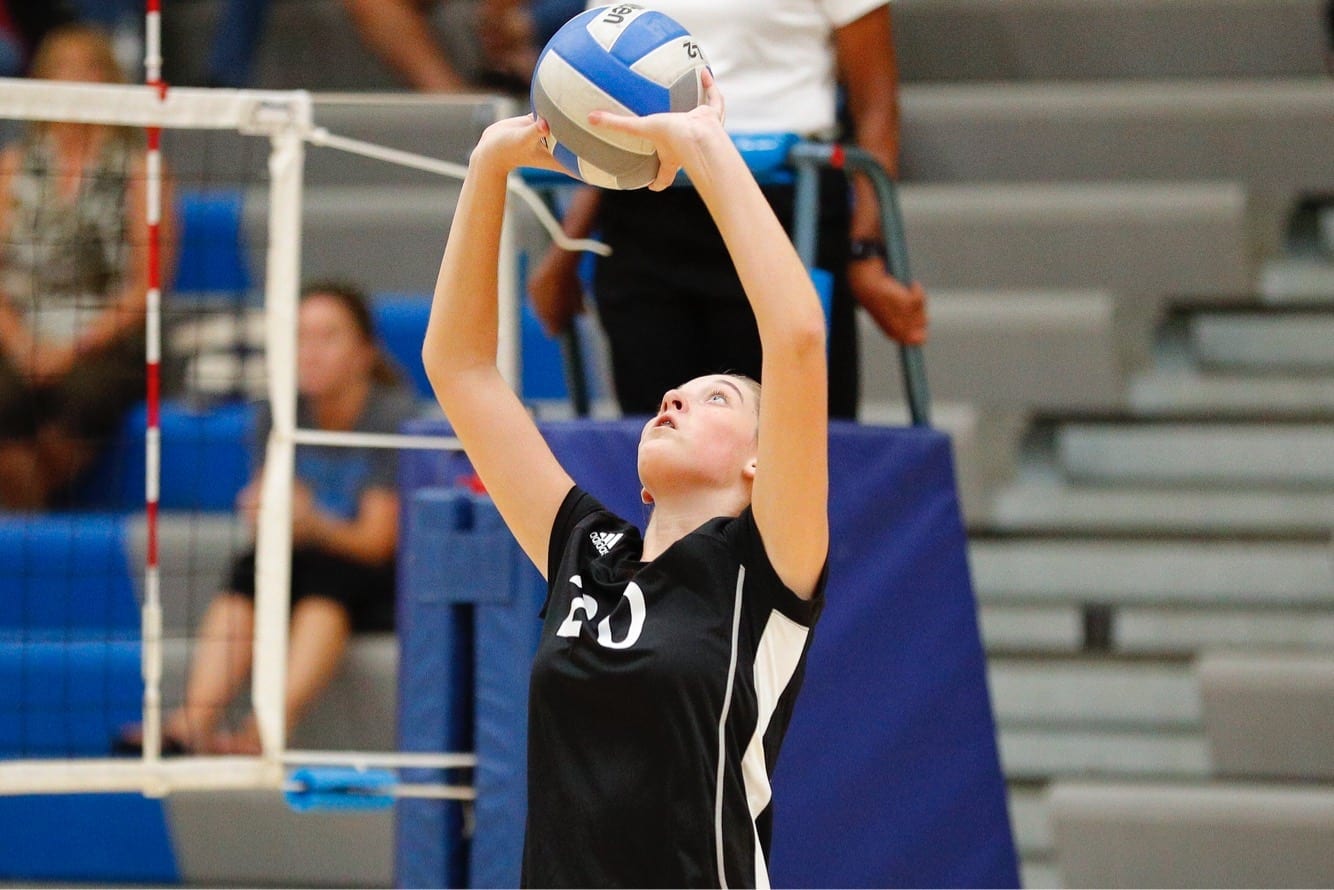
(510, 33)
(344, 532)
(73, 282)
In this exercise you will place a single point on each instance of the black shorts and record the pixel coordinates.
(365, 592)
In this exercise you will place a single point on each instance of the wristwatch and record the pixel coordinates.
(867, 249)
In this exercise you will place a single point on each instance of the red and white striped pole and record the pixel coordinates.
(152, 611)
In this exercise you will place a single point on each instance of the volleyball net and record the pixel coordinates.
(122, 574)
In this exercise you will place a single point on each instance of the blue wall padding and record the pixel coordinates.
(890, 775)
(453, 558)
(914, 797)
(65, 572)
(435, 681)
(205, 460)
(503, 628)
(102, 838)
(66, 698)
(339, 788)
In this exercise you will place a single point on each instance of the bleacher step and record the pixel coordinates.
(1084, 694)
(1236, 454)
(1039, 754)
(1123, 130)
(1043, 505)
(955, 40)
(392, 235)
(1042, 874)
(1133, 238)
(1173, 632)
(1259, 574)
(1023, 348)
(1028, 819)
(1031, 629)
(1296, 342)
(1209, 395)
(1177, 631)
(1297, 280)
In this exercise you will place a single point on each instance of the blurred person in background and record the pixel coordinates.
(344, 532)
(510, 34)
(667, 297)
(73, 281)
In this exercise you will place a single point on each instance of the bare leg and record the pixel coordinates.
(320, 633)
(220, 665)
(21, 485)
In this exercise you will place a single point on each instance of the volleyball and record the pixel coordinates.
(621, 58)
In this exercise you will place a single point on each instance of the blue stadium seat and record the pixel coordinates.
(63, 697)
(212, 258)
(65, 573)
(205, 460)
(400, 323)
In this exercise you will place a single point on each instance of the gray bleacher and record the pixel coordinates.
(952, 40)
(1268, 718)
(1269, 715)
(1182, 835)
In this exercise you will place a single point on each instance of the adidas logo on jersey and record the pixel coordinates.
(604, 541)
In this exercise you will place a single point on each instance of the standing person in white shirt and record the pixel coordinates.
(667, 297)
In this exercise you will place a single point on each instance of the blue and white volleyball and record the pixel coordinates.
(621, 58)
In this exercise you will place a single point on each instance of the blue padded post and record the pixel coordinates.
(435, 673)
(507, 628)
(463, 563)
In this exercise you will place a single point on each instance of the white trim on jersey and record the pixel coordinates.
(722, 733)
(776, 660)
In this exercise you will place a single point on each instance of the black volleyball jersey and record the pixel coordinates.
(660, 695)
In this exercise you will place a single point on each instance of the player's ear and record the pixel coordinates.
(748, 471)
(645, 496)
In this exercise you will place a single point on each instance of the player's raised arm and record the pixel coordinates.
(791, 490)
(459, 352)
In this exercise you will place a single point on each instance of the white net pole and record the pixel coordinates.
(286, 118)
(274, 535)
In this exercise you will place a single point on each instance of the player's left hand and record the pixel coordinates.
(675, 135)
(517, 142)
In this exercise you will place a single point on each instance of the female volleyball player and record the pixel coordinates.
(668, 664)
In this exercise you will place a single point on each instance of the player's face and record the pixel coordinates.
(331, 352)
(706, 428)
